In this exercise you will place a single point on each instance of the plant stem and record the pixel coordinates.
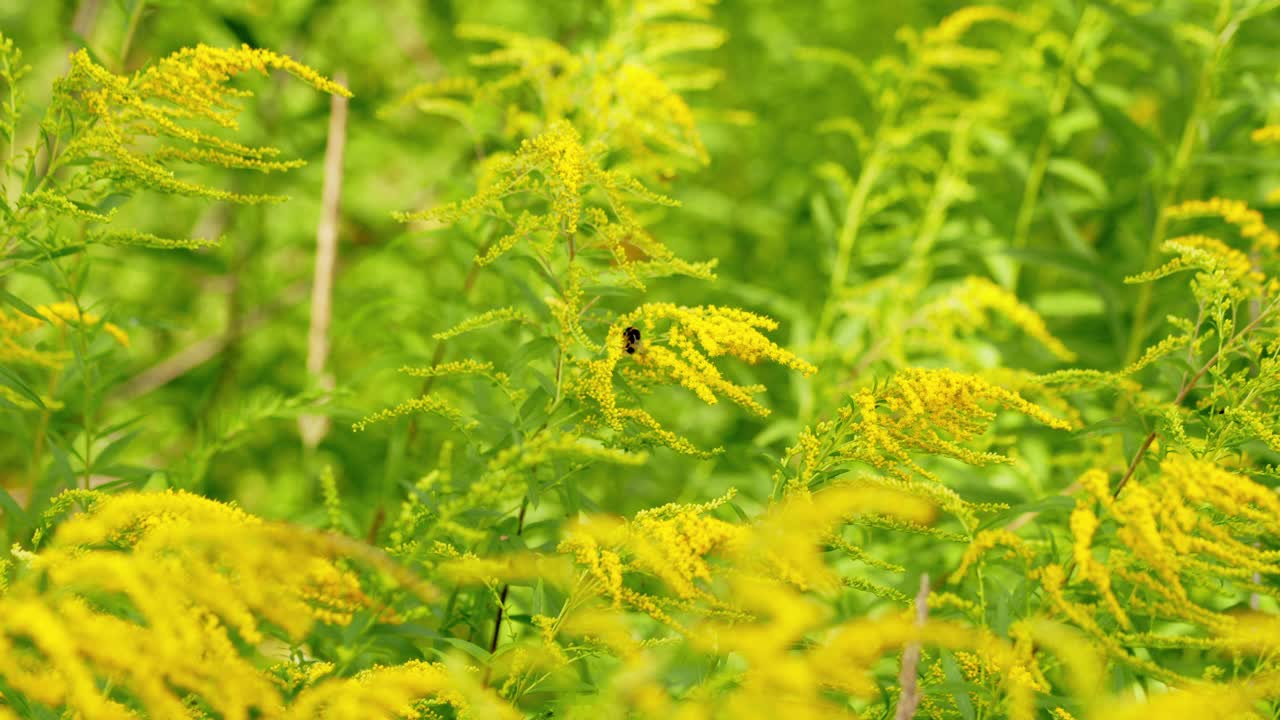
(909, 698)
(135, 15)
(853, 214)
(1186, 389)
(1181, 162)
(502, 597)
(1044, 149)
(313, 428)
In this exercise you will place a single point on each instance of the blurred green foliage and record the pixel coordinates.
(1044, 168)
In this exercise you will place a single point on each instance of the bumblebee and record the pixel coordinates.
(631, 341)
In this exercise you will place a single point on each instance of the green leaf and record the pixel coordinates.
(16, 384)
(539, 598)
(958, 687)
(469, 648)
(1129, 133)
(1078, 174)
(20, 305)
(117, 446)
(13, 512)
(1052, 504)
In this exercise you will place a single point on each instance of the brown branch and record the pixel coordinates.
(1187, 386)
(313, 428)
(909, 698)
(1186, 390)
(202, 351)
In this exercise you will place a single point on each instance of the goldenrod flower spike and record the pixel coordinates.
(64, 312)
(967, 307)
(24, 351)
(157, 597)
(144, 124)
(920, 412)
(679, 344)
(1267, 134)
(1248, 222)
(391, 692)
(557, 197)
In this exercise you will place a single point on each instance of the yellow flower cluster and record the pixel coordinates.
(1249, 222)
(625, 92)
(64, 313)
(455, 367)
(941, 46)
(639, 112)
(416, 690)
(966, 309)
(918, 412)
(168, 101)
(673, 541)
(676, 346)
(783, 542)
(1182, 538)
(545, 192)
(427, 403)
(1267, 134)
(61, 315)
(194, 80)
(483, 320)
(796, 661)
(174, 523)
(1224, 271)
(1174, 534)
(16, 351)
(154, 594)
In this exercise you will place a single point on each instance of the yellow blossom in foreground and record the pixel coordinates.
(399, 691)
(156, 592)
(1224, 271)
(672, 542)
(1193, 525)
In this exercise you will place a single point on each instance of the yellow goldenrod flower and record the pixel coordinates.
(1268, 134)
(399, 691)
(967, 307)
(919, 412)
(157, 594)
(427, 403)
(484, 319)
(1249, 222)
(167, 100)
(678, 346)
(63, 313)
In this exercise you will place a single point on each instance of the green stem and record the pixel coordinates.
(502, 598)
(1174, 179)
(135, 16)
(944, 192)
(853, 214)
(1189, 385)
(1044, 149)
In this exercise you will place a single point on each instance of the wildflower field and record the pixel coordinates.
(639, 359)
